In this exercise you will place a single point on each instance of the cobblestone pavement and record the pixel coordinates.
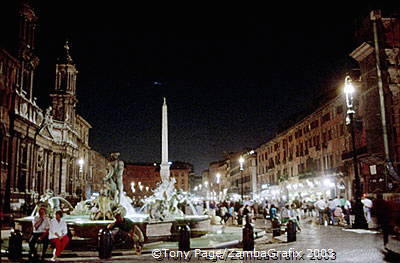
(332, 244)
(339, 245)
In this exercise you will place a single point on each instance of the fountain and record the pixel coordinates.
(158, 219)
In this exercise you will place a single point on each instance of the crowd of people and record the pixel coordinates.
(326, 211)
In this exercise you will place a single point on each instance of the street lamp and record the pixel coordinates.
(80, 180)
(206, 186)
(218, 176)
(241, 162)
(359, 221)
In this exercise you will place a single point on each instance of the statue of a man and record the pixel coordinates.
(110, 183)
(114, 178)
(119, 172)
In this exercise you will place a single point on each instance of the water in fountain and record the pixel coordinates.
(163, 205)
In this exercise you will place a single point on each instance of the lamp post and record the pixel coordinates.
(241, 162)
(206, 187)
(217, 177)
(359, 221)
(81, 162)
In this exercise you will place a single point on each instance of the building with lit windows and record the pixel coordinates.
(140, 179)
(41, 149)
(305, 161)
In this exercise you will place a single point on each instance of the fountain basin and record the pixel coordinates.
(83, 227)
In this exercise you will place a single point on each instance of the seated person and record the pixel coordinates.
(58, 234)
(123, 229)
(338, 213)
(41, 225)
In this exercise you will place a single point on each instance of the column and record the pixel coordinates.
(61, 175)
(30, 173)
(17, 162)
(45, 171)
(56, 173)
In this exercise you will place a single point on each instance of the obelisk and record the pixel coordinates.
(164, 170)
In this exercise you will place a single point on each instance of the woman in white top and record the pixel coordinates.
(58, 234)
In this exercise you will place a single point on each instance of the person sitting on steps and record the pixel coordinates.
(123, 229)
(41, 225)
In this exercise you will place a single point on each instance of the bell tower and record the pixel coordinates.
(25, 49)
(64, 95)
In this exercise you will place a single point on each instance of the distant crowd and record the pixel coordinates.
(325, 211)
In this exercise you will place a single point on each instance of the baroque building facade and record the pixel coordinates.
(40, 149)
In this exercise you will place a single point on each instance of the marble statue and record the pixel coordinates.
(114, 178)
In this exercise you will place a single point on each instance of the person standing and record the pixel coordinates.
(58, 234)
(41, 225)
(321, 206)
(332, 206)
(367, 208)
(347, 212)
(304, 208)
(272, 212)
(285, 214)
(232, 213)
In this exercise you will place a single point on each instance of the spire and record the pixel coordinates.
(64, 96)
(66, 59)
(164, 172)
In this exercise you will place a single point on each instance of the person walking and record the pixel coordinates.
(58, 234)
(381, 210)
(367, 208)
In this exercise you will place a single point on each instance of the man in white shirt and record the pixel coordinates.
(58, 234)
(41, 225)
(367, 208)
(321, 206)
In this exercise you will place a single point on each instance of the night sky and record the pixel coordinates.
(232, 75)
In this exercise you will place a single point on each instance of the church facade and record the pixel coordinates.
(40, 149)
